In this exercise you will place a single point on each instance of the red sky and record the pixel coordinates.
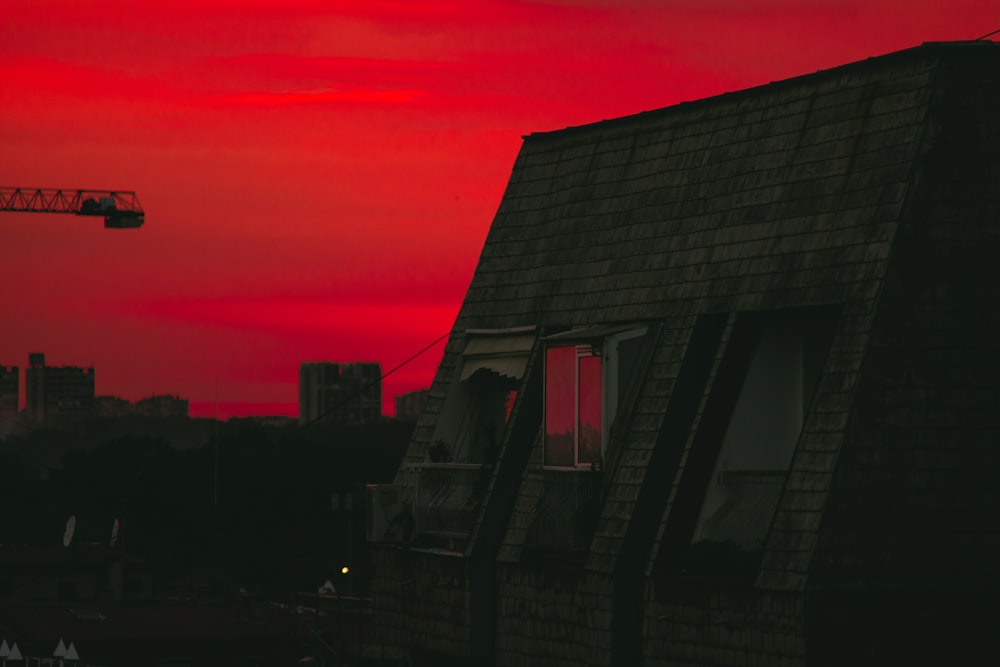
(319, 176)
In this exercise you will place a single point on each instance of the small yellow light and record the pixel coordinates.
(345, 570)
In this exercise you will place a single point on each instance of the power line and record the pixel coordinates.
(345, 401)
(989, 34)
(368, 386)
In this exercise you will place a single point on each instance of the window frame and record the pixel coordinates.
(601, 342)
(581, 351)
(777, 369)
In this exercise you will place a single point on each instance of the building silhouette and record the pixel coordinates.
(55, 394)
(752, 346)
(409, 405)
(112, 406)
(158, 405)
(348, 393)
(163, 405)
(9, 398)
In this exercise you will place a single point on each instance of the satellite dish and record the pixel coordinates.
(70, 530)
(114, 533)
(71, 653)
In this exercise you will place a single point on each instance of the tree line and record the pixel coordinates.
(277, 508)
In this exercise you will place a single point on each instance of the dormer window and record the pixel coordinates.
(587, 375)
(586, 372)
(764, 426)
(449, 486)
(481, 398)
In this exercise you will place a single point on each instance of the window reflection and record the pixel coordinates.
(573, 406)
(589, 413)
(560, 408)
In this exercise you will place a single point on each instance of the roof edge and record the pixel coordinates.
(926, 48)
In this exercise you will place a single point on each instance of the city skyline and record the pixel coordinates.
(319, 178)
(348, 383)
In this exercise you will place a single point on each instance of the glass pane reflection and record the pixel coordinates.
(589, 425)
(560, 395)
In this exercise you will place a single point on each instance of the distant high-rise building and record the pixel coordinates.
(9, 396)
(410, 405)
(342, 393)
(57, 393)
(162, 406)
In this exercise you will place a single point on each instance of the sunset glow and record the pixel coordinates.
(318, 177)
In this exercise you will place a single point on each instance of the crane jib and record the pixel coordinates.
(120, 209)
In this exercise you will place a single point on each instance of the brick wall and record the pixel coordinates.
(422, 600)
(722, 627)
(548, 616)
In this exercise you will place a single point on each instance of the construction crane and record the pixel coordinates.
(120, 210)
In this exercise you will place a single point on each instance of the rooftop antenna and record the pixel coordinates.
(70, 530)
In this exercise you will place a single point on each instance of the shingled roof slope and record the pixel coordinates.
(782, 195)
(787, 196)
(626, 220)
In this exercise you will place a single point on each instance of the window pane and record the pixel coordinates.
(590, 409)
(560, 396)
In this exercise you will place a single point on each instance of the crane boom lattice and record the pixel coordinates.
(119, 208)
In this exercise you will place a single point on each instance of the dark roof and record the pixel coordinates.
(782, 195)
(868, 193)
(791, 186)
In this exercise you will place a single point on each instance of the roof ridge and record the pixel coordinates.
(922, 49)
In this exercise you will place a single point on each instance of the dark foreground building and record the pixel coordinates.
(723, 390)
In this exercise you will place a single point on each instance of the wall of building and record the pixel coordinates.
(55, 394)
(724, 627)
(553, 616)
(423, 601)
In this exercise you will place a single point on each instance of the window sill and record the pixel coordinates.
(437, 551)
(582, 468)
